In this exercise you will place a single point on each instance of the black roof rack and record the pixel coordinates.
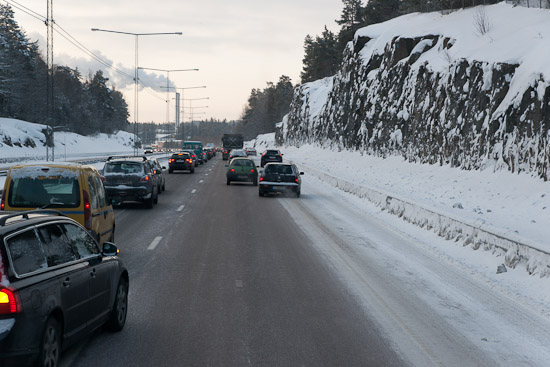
(25, 214)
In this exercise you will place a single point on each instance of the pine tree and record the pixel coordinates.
(378, 11)
(321, 58)
(352, 18)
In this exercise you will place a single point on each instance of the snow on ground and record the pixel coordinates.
(514, 206)
(20, 140)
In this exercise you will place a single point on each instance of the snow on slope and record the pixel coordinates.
(527, 43)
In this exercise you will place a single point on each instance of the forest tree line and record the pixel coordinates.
(84, 105)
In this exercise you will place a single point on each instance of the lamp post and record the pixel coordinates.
(168, 86)
(136, 80)
(183, 99)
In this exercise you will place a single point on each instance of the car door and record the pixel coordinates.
(105, 213)
(73, 277)
(100, 272)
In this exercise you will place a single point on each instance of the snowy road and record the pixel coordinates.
(438, 304)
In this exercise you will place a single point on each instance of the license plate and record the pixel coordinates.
(242, 176)
(180, 161)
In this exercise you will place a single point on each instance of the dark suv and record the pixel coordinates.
(181, 162)
(271, 155)
(130, 179)
(57, 285)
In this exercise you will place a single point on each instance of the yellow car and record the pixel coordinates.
(73, 189)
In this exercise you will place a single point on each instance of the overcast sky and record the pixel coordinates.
(237, 45)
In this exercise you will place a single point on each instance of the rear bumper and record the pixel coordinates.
(121, 194)
(242, 177)
(181, 166)
(267, 186)
(15, 344)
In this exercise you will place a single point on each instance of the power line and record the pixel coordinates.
(26, 10)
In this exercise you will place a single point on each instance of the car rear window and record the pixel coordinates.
(272, 152)
(242, 163)
(123, 168)
(280, 169)
(181, 156)
(41, 191)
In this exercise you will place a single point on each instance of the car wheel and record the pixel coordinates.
(149, 202)
(192, 170)
(156, 198)
(117, 318)
(298, 193)
(50, 345)
(159, 189)
(170, 171)
(255, 182)
(164, 186)
(228, 181)
(261, 193)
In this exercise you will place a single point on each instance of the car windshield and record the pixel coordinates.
(193, 146)
(44, 191)
(123, 168)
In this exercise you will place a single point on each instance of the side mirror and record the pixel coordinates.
(109, 249)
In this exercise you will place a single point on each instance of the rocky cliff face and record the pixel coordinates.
(395, 102)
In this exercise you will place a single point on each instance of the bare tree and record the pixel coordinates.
(482, 23)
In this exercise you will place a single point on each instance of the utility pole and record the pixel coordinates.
(49, 81)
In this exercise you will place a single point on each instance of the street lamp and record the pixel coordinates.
(168, 86)
(136, 80)
(183, 105)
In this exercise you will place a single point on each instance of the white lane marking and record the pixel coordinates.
(193, 191)
(155, 243)
(201, 181)
(180, 208)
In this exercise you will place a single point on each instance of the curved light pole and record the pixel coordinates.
(136, 80)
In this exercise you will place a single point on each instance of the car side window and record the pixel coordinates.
(147, 168)
(26, 253)
(56, 244)
(93, 193)
(84, 244)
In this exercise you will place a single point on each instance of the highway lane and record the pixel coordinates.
(222, 277)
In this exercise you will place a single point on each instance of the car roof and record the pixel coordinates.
(13, 221)
(125, 159)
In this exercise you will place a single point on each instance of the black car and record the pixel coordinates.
(159, 173)
(130, 179)
(57, 286)
(181, 162)
(271, 155)
(280, 178)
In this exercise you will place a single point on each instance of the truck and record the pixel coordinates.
(231, 141)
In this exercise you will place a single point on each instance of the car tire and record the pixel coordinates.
(170, 171)
(255, 182)
(50, 345)
(156, 198)
(117, 319)
(159, 189)
(297, 194)
(149, 202)
(261, 193)
(112, 238)
(228, 181)
(164, 186)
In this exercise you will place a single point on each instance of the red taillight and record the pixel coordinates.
(87, 211)
(3, 205)
(170, 160)
(8, 302)
(296, 179)
(261, 178)
(232, 169)
(103, 178)
(145, 179)
(252, 170)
